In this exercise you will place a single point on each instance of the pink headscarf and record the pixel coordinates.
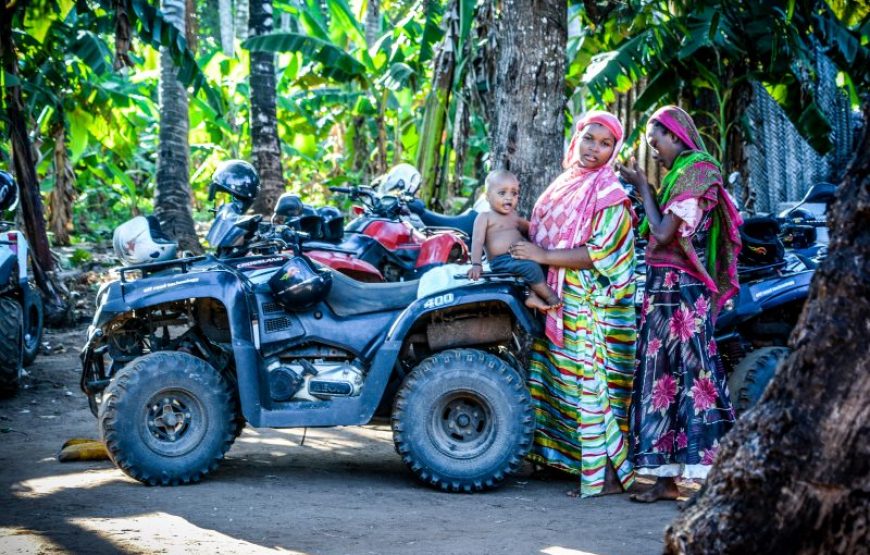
(679, 122)
(562, 216)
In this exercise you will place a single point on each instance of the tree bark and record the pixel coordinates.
(793, 476)
(529, 121)
(225, 8)
(173, 202)
(242, 16)
(266, 148)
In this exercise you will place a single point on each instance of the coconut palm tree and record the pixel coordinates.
(266, 148)
(173, 204)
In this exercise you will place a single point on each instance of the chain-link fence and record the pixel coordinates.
(781, 164)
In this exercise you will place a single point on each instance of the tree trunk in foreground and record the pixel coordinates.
(529, 120)
(265, 146)
(792, 476)
(173, 202)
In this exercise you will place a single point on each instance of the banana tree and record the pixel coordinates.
(713, 48)
(341, 81)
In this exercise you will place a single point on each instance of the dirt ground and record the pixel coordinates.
(342, 491)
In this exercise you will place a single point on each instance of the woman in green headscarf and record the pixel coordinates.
(680, 404)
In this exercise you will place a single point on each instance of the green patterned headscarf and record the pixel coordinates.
(696, 174)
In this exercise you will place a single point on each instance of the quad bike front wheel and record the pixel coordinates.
(11, 334)
(34, 313)
(462, 421)
(167, 418)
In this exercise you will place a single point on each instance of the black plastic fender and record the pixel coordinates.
(7, 265)
(502, 292)
(118, 298)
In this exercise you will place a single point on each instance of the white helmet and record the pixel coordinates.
(403, 178)
(140, 240)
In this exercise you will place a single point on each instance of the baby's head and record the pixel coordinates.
(502, 191)
(596, 146)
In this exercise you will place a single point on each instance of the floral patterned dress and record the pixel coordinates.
(680, 404)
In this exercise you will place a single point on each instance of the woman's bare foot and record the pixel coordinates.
(664, 488)
(611, 486)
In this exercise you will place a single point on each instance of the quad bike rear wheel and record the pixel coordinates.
(462, 421)
(752, 374)
(167, 418)
(34, 312)
(11, 337)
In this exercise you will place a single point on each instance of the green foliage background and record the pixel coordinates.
(336, 94)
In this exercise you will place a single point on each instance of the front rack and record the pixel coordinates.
(153, 267)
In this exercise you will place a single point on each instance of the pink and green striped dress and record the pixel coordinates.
(581, 392)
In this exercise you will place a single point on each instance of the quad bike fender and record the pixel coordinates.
(13, 257)
(756, 298)
(438, 249)
(8, 262)
(506, 294)
(117, 299)
(346, 264)
(786, 289)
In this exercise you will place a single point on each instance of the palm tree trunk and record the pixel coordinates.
(243, 14)
(225, 9)
(264, 119)
(173, 201)
(792, 476)
(528, 130)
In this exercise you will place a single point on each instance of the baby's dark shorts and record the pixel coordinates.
(529, 270)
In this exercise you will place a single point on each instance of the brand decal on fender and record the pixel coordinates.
(259, 262)
(163, 286)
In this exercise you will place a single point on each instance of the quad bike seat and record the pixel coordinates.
(349, 297)
(463, 222)
(761, 243)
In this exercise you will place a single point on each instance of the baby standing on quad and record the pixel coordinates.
(498, 230)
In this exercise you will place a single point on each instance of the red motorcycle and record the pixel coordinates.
(380, 244)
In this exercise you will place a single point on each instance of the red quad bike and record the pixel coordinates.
(380, 244)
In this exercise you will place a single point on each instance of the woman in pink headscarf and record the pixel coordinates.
(580, 374)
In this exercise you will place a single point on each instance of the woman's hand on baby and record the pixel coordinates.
(524, 250)
(632, 173)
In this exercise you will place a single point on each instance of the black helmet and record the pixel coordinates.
(333, 223)
(238, 178)
(298, 285)
(8, 192)
(288, 206)
(309, 222)
(761, 243)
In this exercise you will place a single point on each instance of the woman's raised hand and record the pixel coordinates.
(632, 173)
(524, 250)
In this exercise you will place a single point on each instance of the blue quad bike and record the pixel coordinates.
(181, 355)
(21, 308)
